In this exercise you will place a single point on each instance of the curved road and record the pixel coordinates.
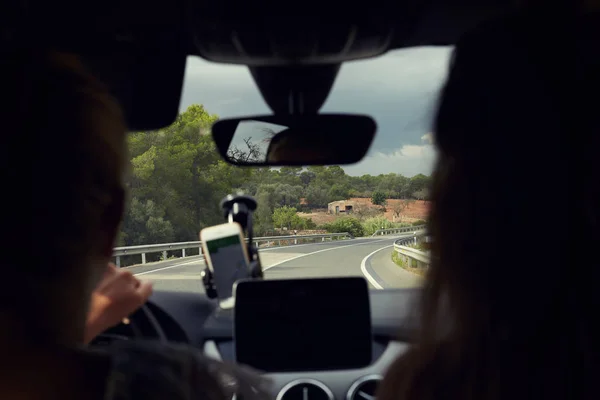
(367, 257)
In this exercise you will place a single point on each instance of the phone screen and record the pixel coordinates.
(228, 263)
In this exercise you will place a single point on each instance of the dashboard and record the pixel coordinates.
(193, 319)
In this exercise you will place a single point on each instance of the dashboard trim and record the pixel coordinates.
(357, 383)
(211, 350)
(339, 382)
(309, 381)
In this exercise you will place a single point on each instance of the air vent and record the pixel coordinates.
(303, 389)
(364, 388)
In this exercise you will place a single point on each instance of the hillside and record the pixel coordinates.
(396, 210)
(319, 217)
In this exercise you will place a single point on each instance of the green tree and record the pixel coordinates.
(417, 183)
(317, 196)
(308, 223)
(287, 217)
(290, 175)
(179, 169)
(306, 177)
(422, 194)
(263, 216)
(178, 179)
(145, 221)
(339, 191)
(378, 199)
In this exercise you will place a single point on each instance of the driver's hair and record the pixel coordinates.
(62, 161)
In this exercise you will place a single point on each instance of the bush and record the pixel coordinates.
(378, 198)
(346, 224)
(371, 225)
(308, 223)
(304, 208)
(419, 222)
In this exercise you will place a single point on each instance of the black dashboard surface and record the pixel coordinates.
(192, 318)
(200, 319)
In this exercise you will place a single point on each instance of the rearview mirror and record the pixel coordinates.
(294, 140)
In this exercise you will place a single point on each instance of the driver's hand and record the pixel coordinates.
(116, 297)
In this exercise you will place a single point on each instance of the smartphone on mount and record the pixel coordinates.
(226, 256)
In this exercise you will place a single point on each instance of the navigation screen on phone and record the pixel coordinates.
(228, 262)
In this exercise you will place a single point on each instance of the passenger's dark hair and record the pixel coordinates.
(509, 309)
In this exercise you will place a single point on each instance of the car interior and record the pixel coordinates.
(293, 53)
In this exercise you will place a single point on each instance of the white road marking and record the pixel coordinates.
(169, 267)
(269, 249)
(321, 251)
(202, 259)
(305, 244)
(173, 277)
(363, 268)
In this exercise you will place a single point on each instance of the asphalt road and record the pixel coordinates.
(367, 257)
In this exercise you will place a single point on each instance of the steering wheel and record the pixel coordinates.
(142, 324)
(145, 324)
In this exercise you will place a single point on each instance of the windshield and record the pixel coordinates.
(380, 203)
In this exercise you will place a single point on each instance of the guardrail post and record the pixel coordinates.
(143, 258)
(164, 255)
(323, 239)
(182, 253)
(295, 241)
(118, 261)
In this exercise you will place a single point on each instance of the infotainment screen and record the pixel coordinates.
(303, 324)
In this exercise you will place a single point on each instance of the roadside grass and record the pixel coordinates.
(398, 261)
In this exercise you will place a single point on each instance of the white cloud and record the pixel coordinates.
(408, 160)
(224, 74)
(427, 138)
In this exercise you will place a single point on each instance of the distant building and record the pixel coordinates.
(341, 206)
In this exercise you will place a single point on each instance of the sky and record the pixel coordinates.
(399, 90)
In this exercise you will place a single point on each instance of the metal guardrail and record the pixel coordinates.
(401, 246)
(392, 231)
(118, 252)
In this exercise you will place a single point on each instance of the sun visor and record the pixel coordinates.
(147, 84)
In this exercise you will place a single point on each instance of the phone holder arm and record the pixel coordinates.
(255, 266)
(238, 208)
